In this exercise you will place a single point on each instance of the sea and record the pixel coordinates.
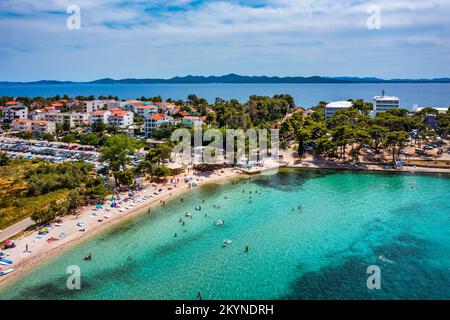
(305, 95)
(310, 235)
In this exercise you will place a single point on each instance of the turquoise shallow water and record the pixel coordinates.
(346, 222)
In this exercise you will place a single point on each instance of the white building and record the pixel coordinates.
(384, 103)
(192, 121)
(146, 111)
(21, 125)
(100, 116)
(131, 105)
(14, 111)
(111, 104)
(39, 127)
(333, 107)
(92, 105)
(155, 121)
(121, 118)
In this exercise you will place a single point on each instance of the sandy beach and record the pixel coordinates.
(68, 233)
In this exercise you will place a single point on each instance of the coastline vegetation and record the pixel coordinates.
(44, 191)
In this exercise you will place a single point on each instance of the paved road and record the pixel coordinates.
(15, 228)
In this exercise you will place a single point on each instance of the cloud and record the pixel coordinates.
(326, 34)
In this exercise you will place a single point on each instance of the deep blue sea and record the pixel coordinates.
(311, 235)
(306, 95)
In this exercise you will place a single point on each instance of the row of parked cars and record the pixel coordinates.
(53, 152)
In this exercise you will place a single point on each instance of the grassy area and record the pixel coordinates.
(15, 204)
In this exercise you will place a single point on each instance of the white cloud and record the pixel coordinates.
(133, 33)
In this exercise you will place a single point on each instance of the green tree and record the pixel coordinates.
(69, 138)
(116, 153)
(396, 139)
(4, 160)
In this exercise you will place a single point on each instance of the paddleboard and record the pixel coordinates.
(6, 261)
(2, 273)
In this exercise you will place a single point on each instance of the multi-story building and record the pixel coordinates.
(92, 105)
(384, 103)
(13, 111)
(333, 107)
(111, 104)
(121, 118)
(131, 105)
(155, 121)
(146, 111)
(21, 125)
(192, 121)
(39, 127)
(100, 116)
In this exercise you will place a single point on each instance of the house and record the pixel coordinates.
(333, 107)
(92, 105)
(111, 104)
(431, 118)
(13, 111)
(166, 107)
(131, 105)
(121, 118)
(100, 116)
(21, 125)
(384, 103)
(146, 110)
(43, 114)
(192, 121)
(81, 118)
(57, 105)
(155, 121)
(39, 127)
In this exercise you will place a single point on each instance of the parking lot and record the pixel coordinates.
(49, 151)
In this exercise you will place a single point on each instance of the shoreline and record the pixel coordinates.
(24, 263)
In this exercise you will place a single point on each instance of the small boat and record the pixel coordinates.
(5, 261)
(218, 222)
(2, 273)
(226, 242)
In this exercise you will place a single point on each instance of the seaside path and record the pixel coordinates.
(15, 228)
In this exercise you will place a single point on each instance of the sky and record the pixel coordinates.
(165, 38)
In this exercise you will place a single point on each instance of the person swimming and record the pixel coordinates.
(246, 248)
(176, 235)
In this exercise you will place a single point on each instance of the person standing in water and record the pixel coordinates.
(246, 248)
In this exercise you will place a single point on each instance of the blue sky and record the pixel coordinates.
(165, 38)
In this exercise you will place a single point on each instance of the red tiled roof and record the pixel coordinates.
(119, 113)
(99, 112)
(146, 107)
(20, 120)
(158, 117)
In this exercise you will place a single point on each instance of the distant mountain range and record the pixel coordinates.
(234, 78)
